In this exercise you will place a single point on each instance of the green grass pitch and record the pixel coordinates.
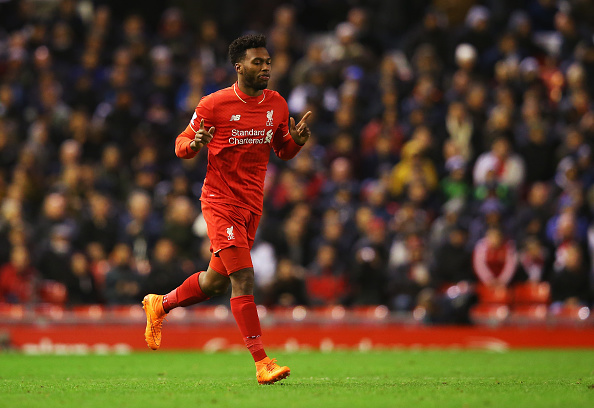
(535, 378)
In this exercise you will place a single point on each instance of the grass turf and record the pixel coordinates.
(535, 378)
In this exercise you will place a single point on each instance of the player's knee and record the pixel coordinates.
(243, 281)
(214, 284)
(219, 288)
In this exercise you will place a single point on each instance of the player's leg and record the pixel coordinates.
(238, 263)
(195, 289)
(199, 287)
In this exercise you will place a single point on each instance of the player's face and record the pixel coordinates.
(256, 68)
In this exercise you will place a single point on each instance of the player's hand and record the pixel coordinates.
(202, 137)
(300, 132)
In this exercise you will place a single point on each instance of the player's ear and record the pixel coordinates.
(238, 68)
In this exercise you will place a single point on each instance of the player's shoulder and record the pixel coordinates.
(274, 97)
(221, 93)
(213, 98)
(271, 93)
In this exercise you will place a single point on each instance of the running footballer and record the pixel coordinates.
(239, 125)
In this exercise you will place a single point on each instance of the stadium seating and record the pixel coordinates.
(532, 293)
(12, 312)
(494, 294)
(53, 292)
(490, 314)
(89, 313)
(493, 305)
(570, 314)
(530, 303)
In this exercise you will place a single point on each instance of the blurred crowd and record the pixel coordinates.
(451, 144)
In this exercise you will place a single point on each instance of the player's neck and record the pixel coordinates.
(249, 91)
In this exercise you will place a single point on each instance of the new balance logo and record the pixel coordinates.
(230, 233)
(235, 118)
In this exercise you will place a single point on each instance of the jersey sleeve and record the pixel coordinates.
(282, 143)
(204, 110)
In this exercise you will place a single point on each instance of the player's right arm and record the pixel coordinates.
(189, 142)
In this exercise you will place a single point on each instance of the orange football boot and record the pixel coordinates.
(268, 372)
(155, 314)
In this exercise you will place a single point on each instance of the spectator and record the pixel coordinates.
(412, 166)
(123, 283)
(180, 215)
(386, 126)
(166, 271)
(409, 222)
(539, 155)
(54, 213)
(378, 159)
(455, 186)
(326, 279)
(288, 287)
(141, 226)
(431, 31)
(476, 31)
(18, 279)
(494, 259)
(570, 284)
(309, 174)
(570, 36)
(315, 88)
(338, 192)
(507, 167)
(452, 262)
(533, 215)
(368, 277)
(563, 231)
(212, 48)
(333, 233)
(452, 218)
(534, 261)
(292, 241)
(375, 198)
(100, 226)
(54, 258)
(461, 130)
(491, 213)
(521, 27)
(407, 281)
(84, 289)
(113, 178)
(452, 279)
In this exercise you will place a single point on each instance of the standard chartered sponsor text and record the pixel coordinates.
(251, 132)
(248, 140)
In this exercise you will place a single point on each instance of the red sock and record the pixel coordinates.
(186, 294)
(246, 315)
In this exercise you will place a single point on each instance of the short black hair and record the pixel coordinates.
(239, 46)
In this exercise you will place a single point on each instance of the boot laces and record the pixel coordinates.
(271, 366)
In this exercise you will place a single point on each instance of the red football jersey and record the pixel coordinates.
(246, 127)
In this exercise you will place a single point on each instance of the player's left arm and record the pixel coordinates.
(288, 147)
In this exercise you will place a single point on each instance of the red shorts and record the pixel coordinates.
(228, 226)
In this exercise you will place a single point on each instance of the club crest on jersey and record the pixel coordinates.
(269, 120)
(235, 118)
(230, 233)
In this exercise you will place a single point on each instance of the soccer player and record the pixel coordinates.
(239, 124)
